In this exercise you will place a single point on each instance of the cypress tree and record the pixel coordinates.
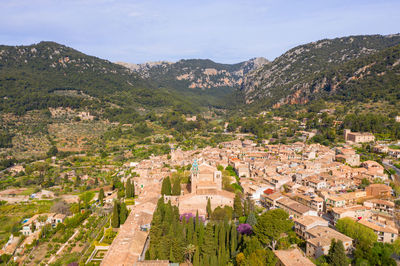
(208, 209)
(227, 241)
(214, 260)
(337, 255)
(237, 206)
(128, 188)
(197, 221)
(133, 189)
(216, 234)
(79, 206)
(219, 256)
(190, 230)
(101, 196)
(166, 187)
(115, 216)
(77, 181)
(208, 248)
(221, 240)
(251, 219)
(176, 189)
(171, 255)
(195, 240)
(245, 208)
(201, 234)
(233, 239)
(196, 258)
(123, 213)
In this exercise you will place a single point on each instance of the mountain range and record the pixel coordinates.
(48, 74)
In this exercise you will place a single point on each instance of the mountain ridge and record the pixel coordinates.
(275, 82)
(196, 73)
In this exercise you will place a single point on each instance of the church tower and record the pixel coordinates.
(218, 179)
(194, 178)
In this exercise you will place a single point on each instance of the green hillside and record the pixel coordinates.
(52, 75)
(289, 78)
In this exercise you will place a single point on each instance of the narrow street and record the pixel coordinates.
(387, 164)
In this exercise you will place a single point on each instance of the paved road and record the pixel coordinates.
(388, 165)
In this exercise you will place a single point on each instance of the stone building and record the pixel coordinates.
(206, 183)
(358, 137)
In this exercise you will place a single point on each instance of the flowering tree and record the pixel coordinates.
(189, 215)
(245, 229)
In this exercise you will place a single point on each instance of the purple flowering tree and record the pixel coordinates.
(245, 229)
(189, 215)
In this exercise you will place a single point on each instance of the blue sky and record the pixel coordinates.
(225, 31)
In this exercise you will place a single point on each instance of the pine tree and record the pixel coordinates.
(166, 187)
(101, 196)
(176, 189)
(208, 209)
(115, 216)
(96, 182)
(237, 206)
(123, 213)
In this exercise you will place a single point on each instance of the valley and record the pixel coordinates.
(196, 162)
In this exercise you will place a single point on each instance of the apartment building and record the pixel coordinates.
(384, 229)
(319, 241)
(305, 223)
(356, 212)
(380, 206)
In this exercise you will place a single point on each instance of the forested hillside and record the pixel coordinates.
(288, 76)
(52, 75)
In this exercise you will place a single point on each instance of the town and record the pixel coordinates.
(213, 133)
(321, 190)
(317, 186)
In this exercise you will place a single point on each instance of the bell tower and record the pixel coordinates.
(194, 178)
(218, 179)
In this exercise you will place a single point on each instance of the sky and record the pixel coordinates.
(225, 31)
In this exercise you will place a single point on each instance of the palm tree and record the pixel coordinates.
(189, 251)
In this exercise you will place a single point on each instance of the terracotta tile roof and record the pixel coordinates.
(292, 257)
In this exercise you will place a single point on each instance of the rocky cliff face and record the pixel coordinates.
(286, 78)
(196, 73)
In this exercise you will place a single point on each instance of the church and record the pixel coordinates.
(206, 183)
